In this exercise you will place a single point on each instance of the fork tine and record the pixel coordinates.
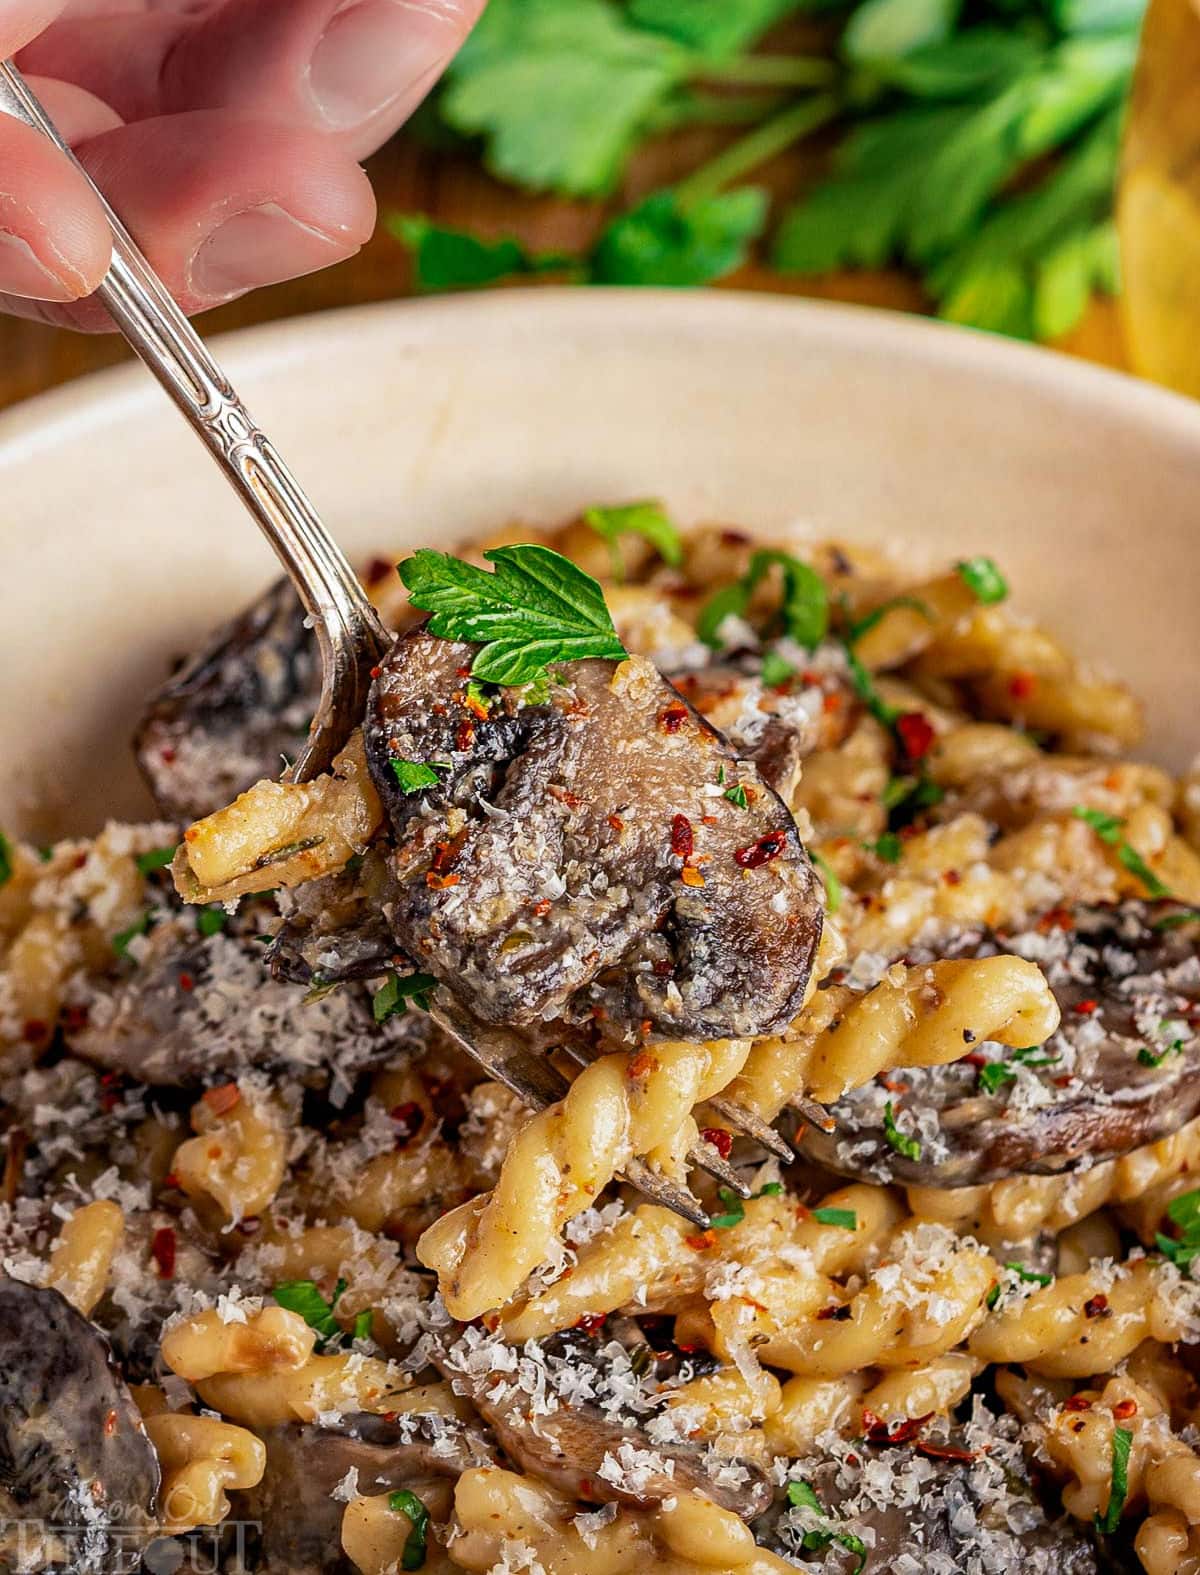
(537, 1083)
(752, 1125)
(816, 1115)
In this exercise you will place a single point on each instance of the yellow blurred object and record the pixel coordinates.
(1158, 206)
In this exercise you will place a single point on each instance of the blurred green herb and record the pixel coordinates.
(944, 115)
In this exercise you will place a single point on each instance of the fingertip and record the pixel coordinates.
(55, 242)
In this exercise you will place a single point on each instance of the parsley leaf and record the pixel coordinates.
(140, 926)
(412, 775)
(155, 859)
(446, 259)
(1108, 828)
(833, 886)
(6, 860)
(804, 610)
(667, 240)
(648, 520)
(1183, 1211)
(802, 1495)
(716, 27)
(1172, 921)
(737, 795)
(562, 93)
(212, 919)
(888, 847)
(1150, 1057)
(534, 609)
(393, 995)
(775, 670)
(303, 1297)
(983, 579)
(1029, 1276)
(769, 1189)
(404, 1502)
(909, 1147)
(885, 29)
(1107, 1523)
(735, 1210)
(845, 1219)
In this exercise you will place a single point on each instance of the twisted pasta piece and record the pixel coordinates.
(83, 1254)
(617, 1108)
(200, 1459)
(1019, 1207)
(811, 1407)
(1087, 1323)
(501, 1516)
(918, 1016)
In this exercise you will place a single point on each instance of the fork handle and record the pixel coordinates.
(146, 314)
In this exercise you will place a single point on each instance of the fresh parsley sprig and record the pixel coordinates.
(647, 519)
(908, 1147)
(1183, 1211)
(6, 860)
(803, 610)
(535, 608)
(393, 995)
(1122, 1441)
(304, 1297)
(404, 1502)
(1109, 828)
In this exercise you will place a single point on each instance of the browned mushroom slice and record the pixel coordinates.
(242, 702)
(1121, 1072)
(953, 1501)
(574, 1413)
(334, 928)
(188, 1012)
(603, 848)
(294, 1506)
(79, 1479)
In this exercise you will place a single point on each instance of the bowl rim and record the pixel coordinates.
(95, 399)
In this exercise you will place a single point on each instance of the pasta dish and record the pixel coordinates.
(708, 1082)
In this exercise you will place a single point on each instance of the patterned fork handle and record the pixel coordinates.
(350, 637)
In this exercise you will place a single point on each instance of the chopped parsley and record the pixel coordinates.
(864, 687)
(909, 1147)
(775, 670)
(735, 1210)
(1172, 921)
(984, 580)
(802, 1495)
(362, 1324)
(737, 795)
(905, 797)
(1029, 1276)
(303, 1297)
(998, 1073)
(1107, 1523)
(769, 1189)
(155, 859)
(212, 919)
(887, 847)
(6, 860)
(1149, 1057)
(878, 614)
(833, 886)
(535, 608)
(404, 1502)
(140, 926)
(804, 611)
(1183, 1211)
(1109, 828)
(845, 1219)
(393, 995)
(412, 775)
(647, 519)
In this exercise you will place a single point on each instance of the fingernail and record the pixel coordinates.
(370, 54)
(23, 273)
(260, 246)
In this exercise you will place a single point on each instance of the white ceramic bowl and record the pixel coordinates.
(411, 423)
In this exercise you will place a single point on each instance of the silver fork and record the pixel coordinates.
(350, 637)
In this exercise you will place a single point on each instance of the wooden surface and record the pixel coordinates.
(409, 177)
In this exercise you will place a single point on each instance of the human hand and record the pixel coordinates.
(226, 134)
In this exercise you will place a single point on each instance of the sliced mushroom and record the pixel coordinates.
(187, 1013)
(335, 928)
(582, 854)
(299, 1517)
(1122, 1071)
(600, 1454)
(242, 702)
(961, 1502)
(74, 1457)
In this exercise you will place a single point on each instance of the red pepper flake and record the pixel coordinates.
(671, 718)
(409, 1119)
(952, 877)
(758, 853)
(664, 968)
(110, 1091)
(34, 1030)
(833, 702)
(445, 854)
(541, 909)
(838, 1312)
(701, 1243)
(896, 1088)
(162, 1250)
(1055, 919)
(1096, 1306)
(1077, 1403)
(1062, 1082)
(642, 1064)
(947, 1451)
(616, 823)
(1124, 1409)
(167, 756)
(250, 1226)
(463, 672)
(880, 1432)
(683, 840)
(564, 796)
(916, 734)
(464, 737)
(591, 1322)
(378, 569)
(437, 882)
(1021, 686)
(170, 1179)
(476, 707)
(1086, 1008)
(74, 1018)
(974, 1059)
(721, 1140)
(222, 1099)
(376, 672)
(186, 983)
(734, 538)
(686, 1349)
(691, 876)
